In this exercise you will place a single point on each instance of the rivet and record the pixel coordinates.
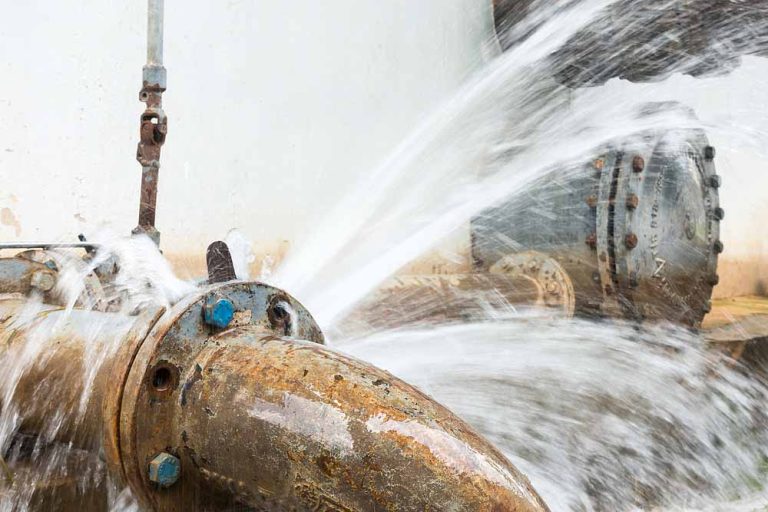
(718, 247)
(715, 181)
(718, 213)
(714, 280)
(638, 163)
(630, 240)
(599, 164)
(709, 152)
(592, 201)
(632, 201)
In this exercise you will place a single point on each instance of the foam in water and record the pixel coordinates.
(600, 416)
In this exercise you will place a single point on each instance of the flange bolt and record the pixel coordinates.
(638, 163)
(218, 312)
(164, 470)
(591, 240)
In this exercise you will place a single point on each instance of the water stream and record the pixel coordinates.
(601, 416)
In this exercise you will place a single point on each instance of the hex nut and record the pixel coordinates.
(218, 313)
(164, 470)
(43, 281)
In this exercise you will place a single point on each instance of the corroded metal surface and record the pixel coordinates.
(636, 230)
(278, 424)
(255, 417)
(23, 276)
(526, 282)
(153, 124)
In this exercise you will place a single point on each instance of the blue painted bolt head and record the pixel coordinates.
(164, 470)
(218, 313)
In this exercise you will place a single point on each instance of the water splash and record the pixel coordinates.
(600, 416)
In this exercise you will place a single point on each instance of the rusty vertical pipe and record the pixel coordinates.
(153, 122)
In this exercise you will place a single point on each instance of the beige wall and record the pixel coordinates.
(274, 107)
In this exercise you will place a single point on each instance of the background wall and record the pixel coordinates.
(274, 111)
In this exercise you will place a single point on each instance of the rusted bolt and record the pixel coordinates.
(630, 240)
(599, 164)
(592, 201)
(218, 313)
(718, 247)
(553, 288)
(591, 240)
(634, 280)
(43, 281)
(715, 181)
(638, 163)
(718, 213)
(714, 280)
(709, 152)
(164, 470)
(632, 201)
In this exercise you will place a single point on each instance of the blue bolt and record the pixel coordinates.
(164, 470)
(218, 312)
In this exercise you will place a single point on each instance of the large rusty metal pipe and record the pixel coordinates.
(282, 424)
(253, 415)
(56, 366)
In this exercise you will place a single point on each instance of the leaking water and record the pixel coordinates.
(601, 416)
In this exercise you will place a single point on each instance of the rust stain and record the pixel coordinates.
(7, 218)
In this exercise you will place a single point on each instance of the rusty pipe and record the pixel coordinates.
(282, 424)
(255, 416)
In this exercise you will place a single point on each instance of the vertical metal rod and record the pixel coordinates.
(153, 123)
(155, 32)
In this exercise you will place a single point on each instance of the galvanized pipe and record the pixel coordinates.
(155, 32)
